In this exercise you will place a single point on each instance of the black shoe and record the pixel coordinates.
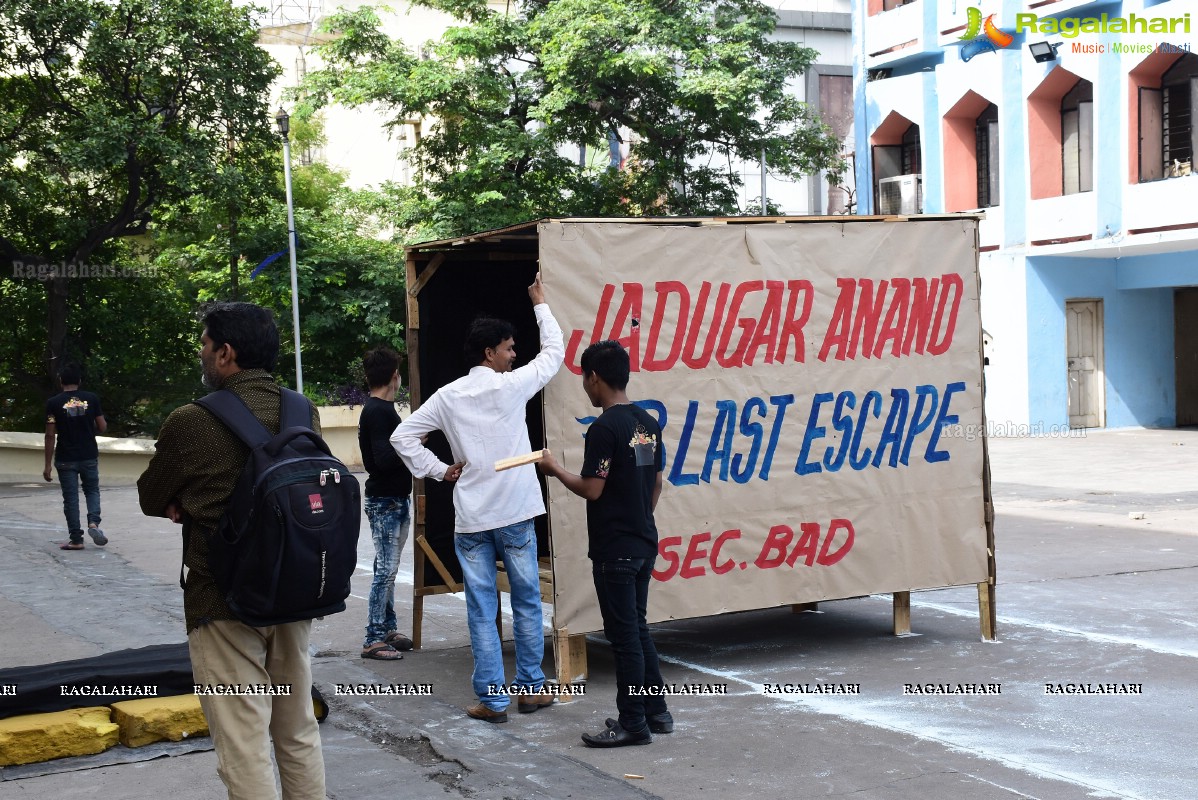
(616, 736)
(658, 723)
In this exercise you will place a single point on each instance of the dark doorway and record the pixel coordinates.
(1185, 354)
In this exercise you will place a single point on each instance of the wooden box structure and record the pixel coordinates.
(819, 385)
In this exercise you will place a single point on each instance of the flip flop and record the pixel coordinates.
(381, 651)
(71, 546)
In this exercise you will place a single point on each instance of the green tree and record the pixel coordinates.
(111, 111)
(513, 92)
(350, 275)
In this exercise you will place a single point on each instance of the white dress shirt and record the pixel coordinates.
(483, 416)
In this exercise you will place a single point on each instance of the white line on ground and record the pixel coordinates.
(866, 715)
(1105, 638)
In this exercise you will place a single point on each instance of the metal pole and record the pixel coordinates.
(764, 212)
(295, 325)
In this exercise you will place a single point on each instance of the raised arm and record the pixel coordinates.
(534, 375)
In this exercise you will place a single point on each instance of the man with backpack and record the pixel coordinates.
(197, 463)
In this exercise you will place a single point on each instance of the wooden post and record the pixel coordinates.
(902, 613)
(569, 657)
(987, 611)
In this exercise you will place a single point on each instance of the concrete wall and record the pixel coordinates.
(22, 455)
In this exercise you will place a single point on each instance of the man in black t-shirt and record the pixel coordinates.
(387, 504)
(73, 418)
(621, 481)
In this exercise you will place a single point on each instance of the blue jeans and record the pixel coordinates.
(389, 517)
(70, 475)
(622, 587)
(477, 552)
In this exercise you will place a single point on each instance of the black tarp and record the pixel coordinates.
(159, 670)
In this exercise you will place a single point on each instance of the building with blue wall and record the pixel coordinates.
(1073, 125)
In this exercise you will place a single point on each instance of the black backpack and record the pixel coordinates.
(287, 544)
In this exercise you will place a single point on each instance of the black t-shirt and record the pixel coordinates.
(388, 476)
(74, 416)
(623, 447)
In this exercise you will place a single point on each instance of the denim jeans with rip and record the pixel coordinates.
(389, 518)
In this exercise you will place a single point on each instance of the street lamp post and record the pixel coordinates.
(284, 122)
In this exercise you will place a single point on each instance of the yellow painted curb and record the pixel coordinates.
(153, 719)
(41, 737)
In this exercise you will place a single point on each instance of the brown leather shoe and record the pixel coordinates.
(526, 704)
(480, 711)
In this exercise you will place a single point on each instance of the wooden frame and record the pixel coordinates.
(423, 263)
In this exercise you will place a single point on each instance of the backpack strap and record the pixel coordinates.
(236, 416)
(296, 411)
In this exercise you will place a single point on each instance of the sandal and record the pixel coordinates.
(398, 641)
(71, 546)
(381, 651)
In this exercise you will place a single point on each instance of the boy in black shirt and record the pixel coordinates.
(621, 481)
(387, 505)
(73, 418)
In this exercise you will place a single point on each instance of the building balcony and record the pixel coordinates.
(1160, 205)
(898, 35)
(1062, 219)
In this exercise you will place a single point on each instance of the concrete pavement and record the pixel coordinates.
(1087, 594)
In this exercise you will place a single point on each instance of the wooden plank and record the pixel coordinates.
(569, 659)
(519, 461)
(413, 321)
(561, 655)
(417, 620)
(451, 589)
(987, 609)
(902, 613)
(426, 275)
(437, 563)
(986, 612)
(413, 313)
(578, 657)
(415, 398)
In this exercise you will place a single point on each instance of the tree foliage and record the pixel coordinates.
(137, 160)
(111, 110)
(350, 276)
(695, 84)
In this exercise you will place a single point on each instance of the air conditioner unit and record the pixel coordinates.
(902, 194)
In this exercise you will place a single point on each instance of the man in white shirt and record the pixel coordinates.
(483, 417)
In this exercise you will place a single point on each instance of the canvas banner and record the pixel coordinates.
(819, 391)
